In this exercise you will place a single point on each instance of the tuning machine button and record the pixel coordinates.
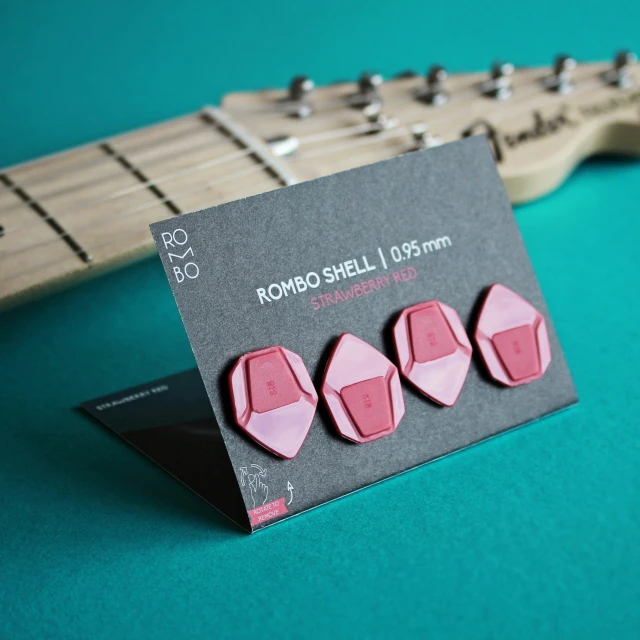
(620, 75)
(435, 91)
(298, 104)
(499, 85)
(561, 80)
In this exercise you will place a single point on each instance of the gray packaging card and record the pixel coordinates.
(299, 266)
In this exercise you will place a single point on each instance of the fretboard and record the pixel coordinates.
(89, 209)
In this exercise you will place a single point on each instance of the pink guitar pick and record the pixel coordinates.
(433, 350)
(512, 338)
(361, 388)
(273, 399)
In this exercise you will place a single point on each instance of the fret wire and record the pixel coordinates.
(235, 155)
(62, 233)
(140, 176)
(339, 132)
(97, 162)
(112, 176)
(44, 265)
(83, 147)
(162, 158)
(119, 237)
(147, 205)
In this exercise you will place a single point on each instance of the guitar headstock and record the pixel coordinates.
(84, 210)
(540, 122)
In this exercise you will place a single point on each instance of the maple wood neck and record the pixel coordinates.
(87, 210)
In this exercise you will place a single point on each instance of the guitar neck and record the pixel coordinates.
(81, 212)
(74, 214)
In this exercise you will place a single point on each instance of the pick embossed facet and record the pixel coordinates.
(362, 390)
(273, 399)
(433, 350)
(512, 338)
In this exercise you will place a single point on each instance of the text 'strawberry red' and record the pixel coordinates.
(433, 350)
(361, 388)
(273, 399)
(512, 338)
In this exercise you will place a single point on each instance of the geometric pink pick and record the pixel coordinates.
(362, 391)
(273, 399)
(512, 338)
(433, 350)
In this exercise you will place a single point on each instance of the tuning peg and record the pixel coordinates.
(423, 138)
(620, 75)
(367, 93)
(561, 79)
(435, 93)
(369, 82)
(499, 84)
(299, 89)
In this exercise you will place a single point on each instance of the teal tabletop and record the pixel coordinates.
(530, 535)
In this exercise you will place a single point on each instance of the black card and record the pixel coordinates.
(300, 266)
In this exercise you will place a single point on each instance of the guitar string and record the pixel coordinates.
(141, 186)
(321, 136)
(126, 213)
(158, 159)
(117, 238)
(82, 164)
(107, 161)
(458, 96)
(236, 155)
(141, 207)
(116, 141)
(113, 239)
(387, 135)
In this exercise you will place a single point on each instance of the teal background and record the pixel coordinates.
(534, 534)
